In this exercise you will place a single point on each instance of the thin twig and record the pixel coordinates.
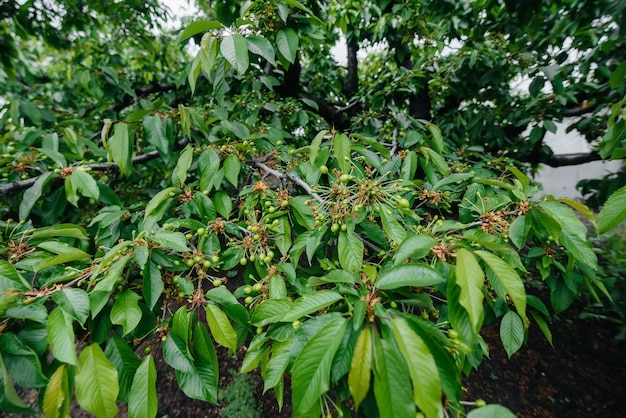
(16, 186)
(290, 176)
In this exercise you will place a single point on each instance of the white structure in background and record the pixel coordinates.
(561, 181)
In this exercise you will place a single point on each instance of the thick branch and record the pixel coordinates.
(352, 83)
(571, 159)
(291, 80)
(335, 117)
(579, 111)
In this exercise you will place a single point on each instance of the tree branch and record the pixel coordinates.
(579, 111)
(17, 186)
(285, 174)
(352, 82)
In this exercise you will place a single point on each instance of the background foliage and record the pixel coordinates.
(353, 226)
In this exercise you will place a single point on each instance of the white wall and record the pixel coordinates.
(561, 181)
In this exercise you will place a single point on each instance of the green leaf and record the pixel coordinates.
(171, 239)
(518, 231)
(10, 278)
(427, 390)
(579, 248)
(142, 400)
(392, 385)
(120, 148)
(314, 148)
(510, 280)
(262, 47)
(223, 204)
(125, 361)
(126, 311)
(60, 230)
(152, 284)
(437, 143)
(414, 246)
(158, 200)
(311, 370)
(391, 225)
(232, 167)
(9, 399)
(61, 336)
(341, 149)
(287, 42)
(310, 303)
(64, 254)
(57, 398)
(198, 27)
(220, 327)
(21, 361)
(350, 250)
(96, 382)
(409, 274)
(179, 175)
(32, 195)
(74, 301)
(270, 311)
(565, 217)
(209, 163)
(437, 160)
(614, 210)
(491, 411)
(277, 364)
(203, 383)
(176, 354)
(229, 304)
(617, 76)
(85, 184)
(157, 134)
(333, 276)
(471, 279)
(235, 49)
(360, 370)
(511, 332)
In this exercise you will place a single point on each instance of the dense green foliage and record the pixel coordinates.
(349, 226)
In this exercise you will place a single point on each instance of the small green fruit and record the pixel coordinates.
(480, 403)
(215, 259)
(197, 259)
(453, 334)
(393, 304)
(243, 261)
(296, 325)
(334, 228)
(324, 169)
(147, 349)
(403, 203)
(188, 237)
(344, 178)
(248, 300)
(206, 264)
(247, 290)
(344, 227)
(217, 282)
(190, 262)
(257, 287)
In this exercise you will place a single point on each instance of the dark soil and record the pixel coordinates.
(583, 375)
